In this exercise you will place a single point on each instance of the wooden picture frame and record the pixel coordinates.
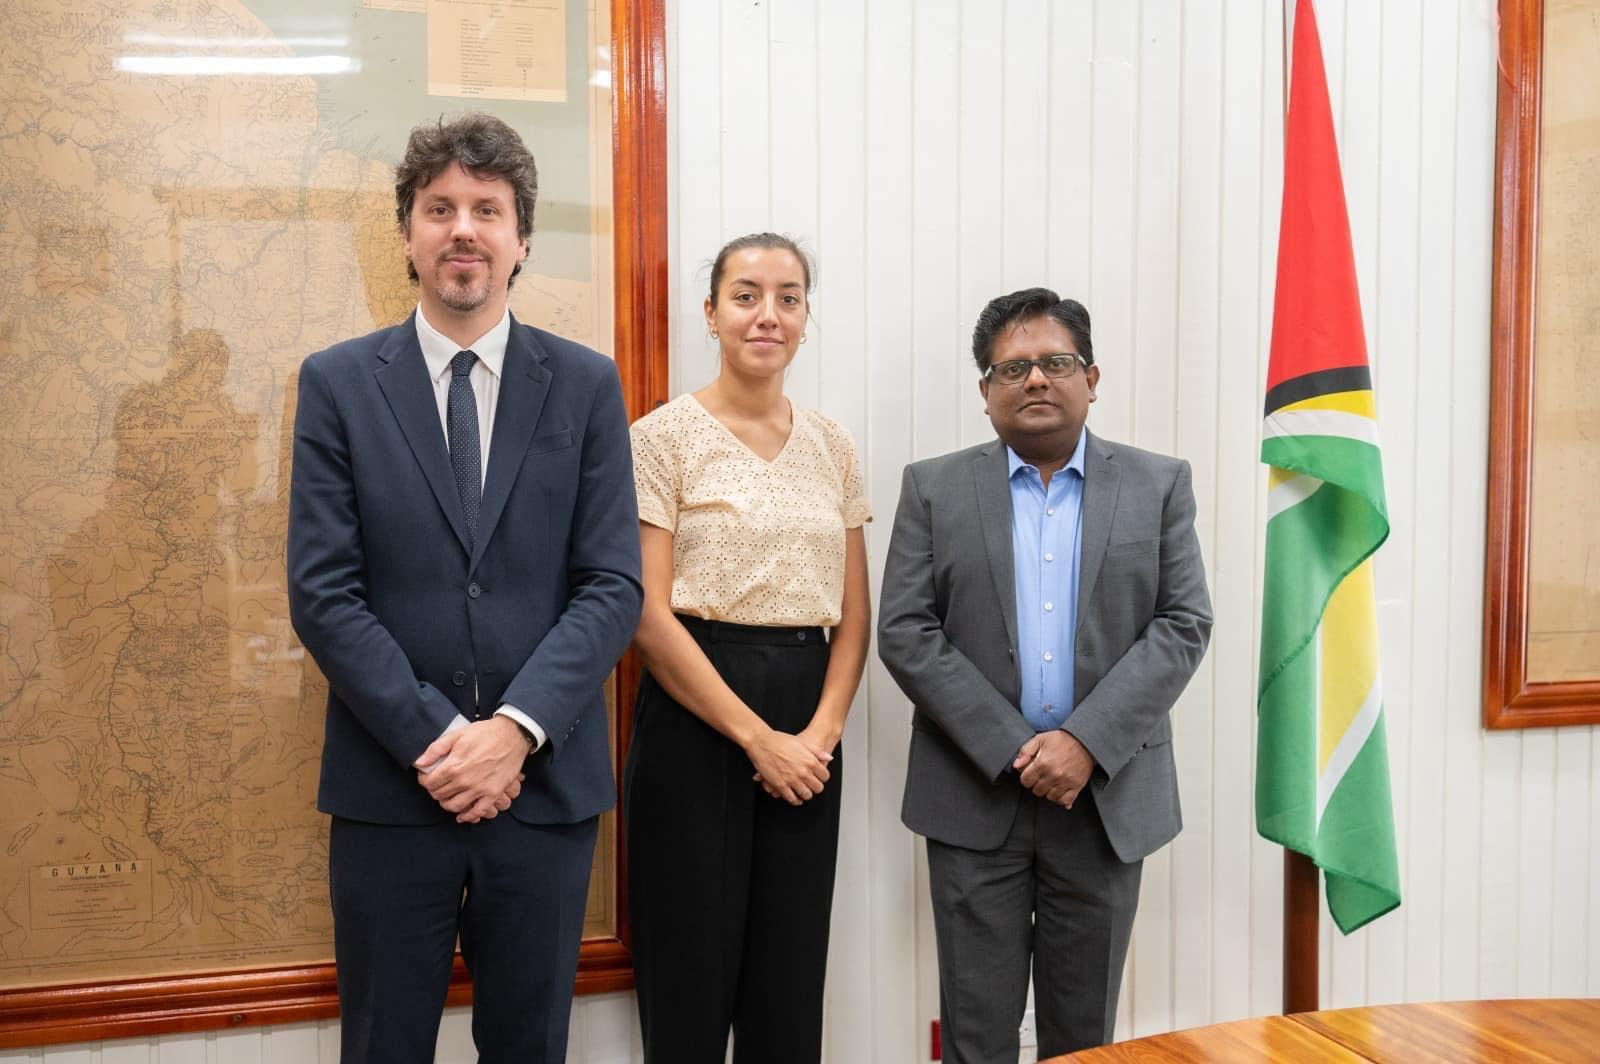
(282, 994)
(1510, 698)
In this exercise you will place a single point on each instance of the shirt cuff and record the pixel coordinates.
(526, 723)
(455, 725)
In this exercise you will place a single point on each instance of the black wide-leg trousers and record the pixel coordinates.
(729, 889)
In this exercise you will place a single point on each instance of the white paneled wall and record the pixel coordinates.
(935, 153)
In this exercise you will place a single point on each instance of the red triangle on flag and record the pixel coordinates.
(1316, 316)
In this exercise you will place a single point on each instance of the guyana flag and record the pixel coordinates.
(1322, 764)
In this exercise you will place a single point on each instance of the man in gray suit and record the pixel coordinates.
(1044, 604)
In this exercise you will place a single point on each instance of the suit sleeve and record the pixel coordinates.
(366, 669)
(1116, 717)
(605, 592)
(941, 680)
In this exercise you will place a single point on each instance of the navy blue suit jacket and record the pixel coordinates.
(406, 624)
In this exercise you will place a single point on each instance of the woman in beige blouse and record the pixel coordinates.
(750, 515)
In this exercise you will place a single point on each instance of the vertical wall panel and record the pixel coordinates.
(1572, 834)
(609, 1031)
(1151, 362)
(1198, 372)
(327, 1042)
(1025, 151)
(696, 229)
(840, 339)
(1392, 304)
(298, 1042)
(1266, 860)
(1501, 857)
(1071, 131)
(1234, 474)
(236, 1047)
(1463, 912)
(1420, 858)
(744, 65)
(1146, 372)
(792, 159)
(182, 1048)
(889, 192)
(455, 1039)
(1592, 909)
(135, 1051)
(939, 368)
(1535, 861)
(980, 212)
(1113, 220)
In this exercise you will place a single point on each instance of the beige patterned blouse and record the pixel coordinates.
(754, 542)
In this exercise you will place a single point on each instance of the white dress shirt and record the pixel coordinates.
(437, 352)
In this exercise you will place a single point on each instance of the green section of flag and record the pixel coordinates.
(1352, 464)
(1305, 563)
(1311, 547)
(1356, 837)
(1354, 844)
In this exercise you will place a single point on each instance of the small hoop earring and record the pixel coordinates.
(713, 334)
(802, 337)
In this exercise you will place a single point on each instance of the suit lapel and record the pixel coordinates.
(524, 386)
(991, 480)
(403, 377)
(1101, 481)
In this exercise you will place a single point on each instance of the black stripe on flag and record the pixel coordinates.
(1322, 382)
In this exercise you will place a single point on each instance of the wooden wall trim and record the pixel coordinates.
(640, 190)
(1509, 699)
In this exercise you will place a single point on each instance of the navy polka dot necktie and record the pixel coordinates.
(465, 456)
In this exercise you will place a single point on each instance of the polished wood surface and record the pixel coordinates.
(1262, 1039)
(1457, 1031)
(639, 189)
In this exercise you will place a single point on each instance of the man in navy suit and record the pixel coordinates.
(464, 568)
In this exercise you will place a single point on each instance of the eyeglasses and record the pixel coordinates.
(1017, 370)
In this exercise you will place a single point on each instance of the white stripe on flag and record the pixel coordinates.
(1350, 744)
(1292, 492)
(1321, 423)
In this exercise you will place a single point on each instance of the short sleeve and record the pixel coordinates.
(853, 505)
(655, 478)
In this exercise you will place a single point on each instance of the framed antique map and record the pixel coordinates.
(197, 194)
(1542, 582)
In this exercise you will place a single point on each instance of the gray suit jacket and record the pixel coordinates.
(947, 630)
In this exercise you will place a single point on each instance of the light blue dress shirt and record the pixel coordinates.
(1046, 540)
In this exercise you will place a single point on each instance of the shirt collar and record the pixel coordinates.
(1015, 463)
(438, 349)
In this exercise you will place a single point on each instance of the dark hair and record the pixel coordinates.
(485, 147)
(770, 241)
(1005, 311)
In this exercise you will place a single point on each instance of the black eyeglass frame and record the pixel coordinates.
(1075, 361)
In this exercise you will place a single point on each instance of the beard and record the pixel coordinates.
(456, 290)
(461, 294)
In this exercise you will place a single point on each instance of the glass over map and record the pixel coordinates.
(194, 195)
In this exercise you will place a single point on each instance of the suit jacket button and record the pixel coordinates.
(459, 678)
(800, 636)
(473, 590)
